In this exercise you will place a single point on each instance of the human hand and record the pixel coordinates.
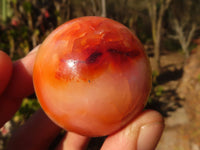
(143, 133)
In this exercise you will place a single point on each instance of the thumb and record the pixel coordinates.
(143, 133)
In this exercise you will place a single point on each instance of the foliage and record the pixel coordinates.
(29, 24)
(28, 107)
(185, 23)
(159, 90)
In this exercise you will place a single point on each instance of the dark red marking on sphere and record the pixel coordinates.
(95, 62)
(93, 57)
(130, 54)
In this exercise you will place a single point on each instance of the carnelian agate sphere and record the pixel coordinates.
(92, 76)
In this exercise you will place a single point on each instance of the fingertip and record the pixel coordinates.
(5, 70)
(149, 116)
(143, 133)
(150, 126)
(149, 136)
(150, 132)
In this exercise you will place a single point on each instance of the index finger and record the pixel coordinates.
(5, 70)
(20, 86)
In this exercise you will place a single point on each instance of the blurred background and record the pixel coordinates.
(169, 31)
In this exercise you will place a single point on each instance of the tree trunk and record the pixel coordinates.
(157, 55)
(183, 39)
(156, 21)
(103, 8)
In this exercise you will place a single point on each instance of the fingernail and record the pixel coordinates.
(149, 136)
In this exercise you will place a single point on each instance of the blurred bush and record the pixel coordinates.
(28, 107)
(29, 24)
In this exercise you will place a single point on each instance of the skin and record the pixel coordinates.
(6, 68)
(142, 133)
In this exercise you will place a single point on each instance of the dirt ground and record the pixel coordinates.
(181, 113)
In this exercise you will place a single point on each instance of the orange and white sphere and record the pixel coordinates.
(92, 76)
